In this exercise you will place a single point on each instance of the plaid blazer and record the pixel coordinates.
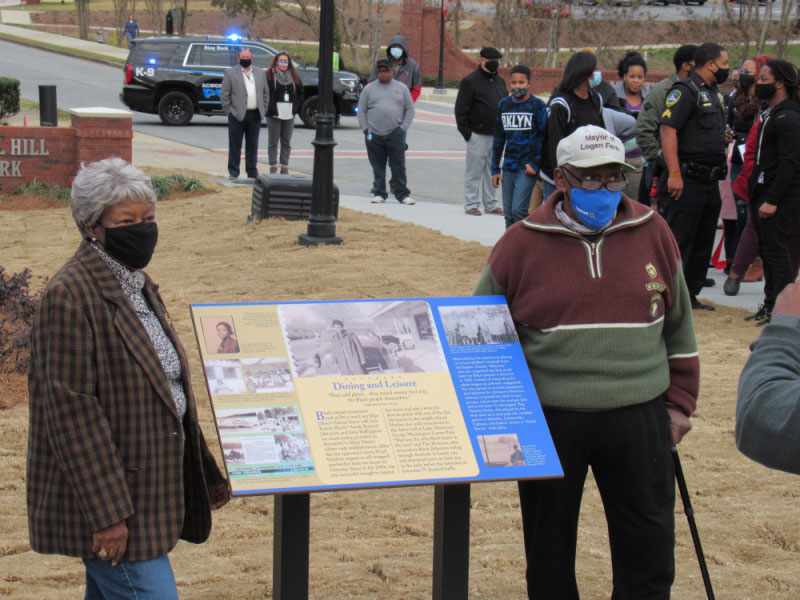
(105, 442)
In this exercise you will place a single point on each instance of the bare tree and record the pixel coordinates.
(790, 11)
(82, 8)
(250, 9)
(309, 14)
(155, 11)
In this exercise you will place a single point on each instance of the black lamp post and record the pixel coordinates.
(440, 79)
(322, 222)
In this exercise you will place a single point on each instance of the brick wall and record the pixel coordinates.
(421, 26)
(54, 154)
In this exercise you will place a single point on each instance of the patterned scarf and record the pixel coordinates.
(284, 77)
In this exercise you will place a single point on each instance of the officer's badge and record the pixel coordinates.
(655, 303)
(673, 97)
(651, 270)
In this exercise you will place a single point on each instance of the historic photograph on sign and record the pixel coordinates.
(271, 419)
(224, 377)
(358, 338)
(501, 450)
(219, 334)
(265, 375)
(470, 325)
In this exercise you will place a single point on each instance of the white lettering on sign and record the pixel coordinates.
(26, 147)
(10, 168)
(145, 71)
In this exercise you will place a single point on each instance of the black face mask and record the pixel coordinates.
(765, 91)
(132, 245)
(492, 65)
(722, 75)
(245, 62)
(746, 80)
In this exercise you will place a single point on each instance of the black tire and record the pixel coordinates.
(308, 112)
(175, 108)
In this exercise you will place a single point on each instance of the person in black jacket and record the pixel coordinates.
(476, 111)
(285, 99)
(774, 185)
(573, 104)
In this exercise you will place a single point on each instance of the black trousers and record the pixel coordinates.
(693, 221)
(628, 450)
(389, 147)
(774, 235)
(249, 127)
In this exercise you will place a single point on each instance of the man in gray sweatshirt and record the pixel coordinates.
(385, 112)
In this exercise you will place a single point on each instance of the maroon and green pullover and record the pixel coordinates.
(603, 324)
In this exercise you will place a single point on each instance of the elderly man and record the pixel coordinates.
(385, 112)
(245, 98)
(594, 283)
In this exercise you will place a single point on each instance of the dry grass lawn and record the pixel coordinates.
(378, 544)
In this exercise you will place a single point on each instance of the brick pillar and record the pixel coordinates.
(102, 133)
(411, 28)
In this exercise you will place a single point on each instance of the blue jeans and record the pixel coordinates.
(137, 580)
(547, 190)
(517, 190)
(389, 147)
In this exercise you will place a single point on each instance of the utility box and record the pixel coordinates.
(287, 196)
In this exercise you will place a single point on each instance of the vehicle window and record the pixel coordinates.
(261, 57)
(210, 55)
(161, 53)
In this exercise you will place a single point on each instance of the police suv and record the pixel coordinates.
(178, 77)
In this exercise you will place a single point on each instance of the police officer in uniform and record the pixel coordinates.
(693, 142)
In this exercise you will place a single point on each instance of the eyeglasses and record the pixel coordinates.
(592, 185)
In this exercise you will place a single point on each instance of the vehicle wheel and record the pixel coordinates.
(308, 112)
(175, 108)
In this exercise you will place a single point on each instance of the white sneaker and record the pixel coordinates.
(378, 200)
(408, 200)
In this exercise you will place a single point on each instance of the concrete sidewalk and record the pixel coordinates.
(449, 219)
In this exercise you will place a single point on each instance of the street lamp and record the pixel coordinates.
(443, 16)
(322, 222)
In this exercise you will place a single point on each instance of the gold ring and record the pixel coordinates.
(103, 553)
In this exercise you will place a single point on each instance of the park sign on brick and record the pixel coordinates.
(54, 154)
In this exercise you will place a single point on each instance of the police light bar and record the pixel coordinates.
(235, 37)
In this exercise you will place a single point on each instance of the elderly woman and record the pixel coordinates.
(118, 469)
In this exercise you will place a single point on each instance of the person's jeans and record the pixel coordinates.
(279, 130)
(249, 127)
(517, 190)
(547, 190)
(137, 580)
(389, 147)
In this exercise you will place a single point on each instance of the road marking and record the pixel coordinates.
(362, 154)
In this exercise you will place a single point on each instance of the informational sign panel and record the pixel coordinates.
(311, 396)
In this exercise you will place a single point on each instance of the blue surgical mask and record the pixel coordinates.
(595, 208)
(597, 77)
(396, 52)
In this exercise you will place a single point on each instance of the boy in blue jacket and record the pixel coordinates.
(519, 129)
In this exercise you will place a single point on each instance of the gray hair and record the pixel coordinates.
(105, 183)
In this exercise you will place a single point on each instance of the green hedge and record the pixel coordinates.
(9, 97)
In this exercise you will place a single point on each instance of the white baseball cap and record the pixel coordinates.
(591, 146)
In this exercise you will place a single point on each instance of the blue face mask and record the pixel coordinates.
(396, 52)
(595, 208)
(597, 77)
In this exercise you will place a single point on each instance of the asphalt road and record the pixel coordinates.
(435, 160)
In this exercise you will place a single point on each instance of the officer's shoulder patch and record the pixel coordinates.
(673, 97)
(667, 113)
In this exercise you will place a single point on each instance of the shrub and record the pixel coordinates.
(17, 309)
(9, 97)
(39, 188)
(163, 185)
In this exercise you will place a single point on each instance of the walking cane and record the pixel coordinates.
(687, 508)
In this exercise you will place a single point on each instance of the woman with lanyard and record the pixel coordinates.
(285, 99)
